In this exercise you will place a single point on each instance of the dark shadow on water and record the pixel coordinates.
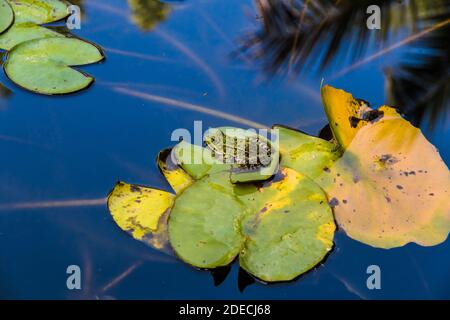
(220, 274)
(244, 280)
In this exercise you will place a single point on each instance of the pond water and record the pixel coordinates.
(60, 156)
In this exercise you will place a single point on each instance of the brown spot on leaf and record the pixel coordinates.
(334, 202)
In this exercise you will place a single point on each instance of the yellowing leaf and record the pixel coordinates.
(391, 186)
(344, 114)
(175, 175)
(141, 212)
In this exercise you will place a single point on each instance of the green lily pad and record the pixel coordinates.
(43, 65)
(39, 11)
(142, 212)
(6, 16)
(281, 229)
(28, 17)
(204, 224)
(21, 32)
(197, 161)
(304, 153)
(290, 231)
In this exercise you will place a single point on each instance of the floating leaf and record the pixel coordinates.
(39, 11)
(43, 65)
(6, 16)
(204, 224)
(391, 187)
(290, 232)
(344, 113)
(21, 32)
(304, 153)
(175, 176)
(197, 161)
(141, 212)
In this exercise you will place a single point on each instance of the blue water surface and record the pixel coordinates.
(74, 148)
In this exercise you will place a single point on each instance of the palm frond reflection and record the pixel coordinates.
(306, 35)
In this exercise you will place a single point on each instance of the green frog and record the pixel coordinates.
(252, 156)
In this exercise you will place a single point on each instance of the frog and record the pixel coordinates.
(252, 156)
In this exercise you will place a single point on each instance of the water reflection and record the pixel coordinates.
(148, 13)
(301, 35)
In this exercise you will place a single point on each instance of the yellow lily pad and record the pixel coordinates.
(142, 212)
(391, 187)
(346, 114)
(175, 175)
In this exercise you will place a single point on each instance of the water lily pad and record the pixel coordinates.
(174, 174)
(39, 11)
(391, 187)
(141, 212)
(43, 65)
(345, 114)
(6, 16)
(304, 153)
(21, 32)
(290, 231)
(197, 161)
(204, 224)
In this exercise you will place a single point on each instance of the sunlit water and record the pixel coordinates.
(76, 147)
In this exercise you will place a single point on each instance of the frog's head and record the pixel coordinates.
(214, 139)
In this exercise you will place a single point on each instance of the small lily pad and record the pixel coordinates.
(197, 161)
(141, 212)
(44, 65)
(290, 230)
(304, 153)
(6, 16)
(204, 224)
(21, 32)
(39, 11)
